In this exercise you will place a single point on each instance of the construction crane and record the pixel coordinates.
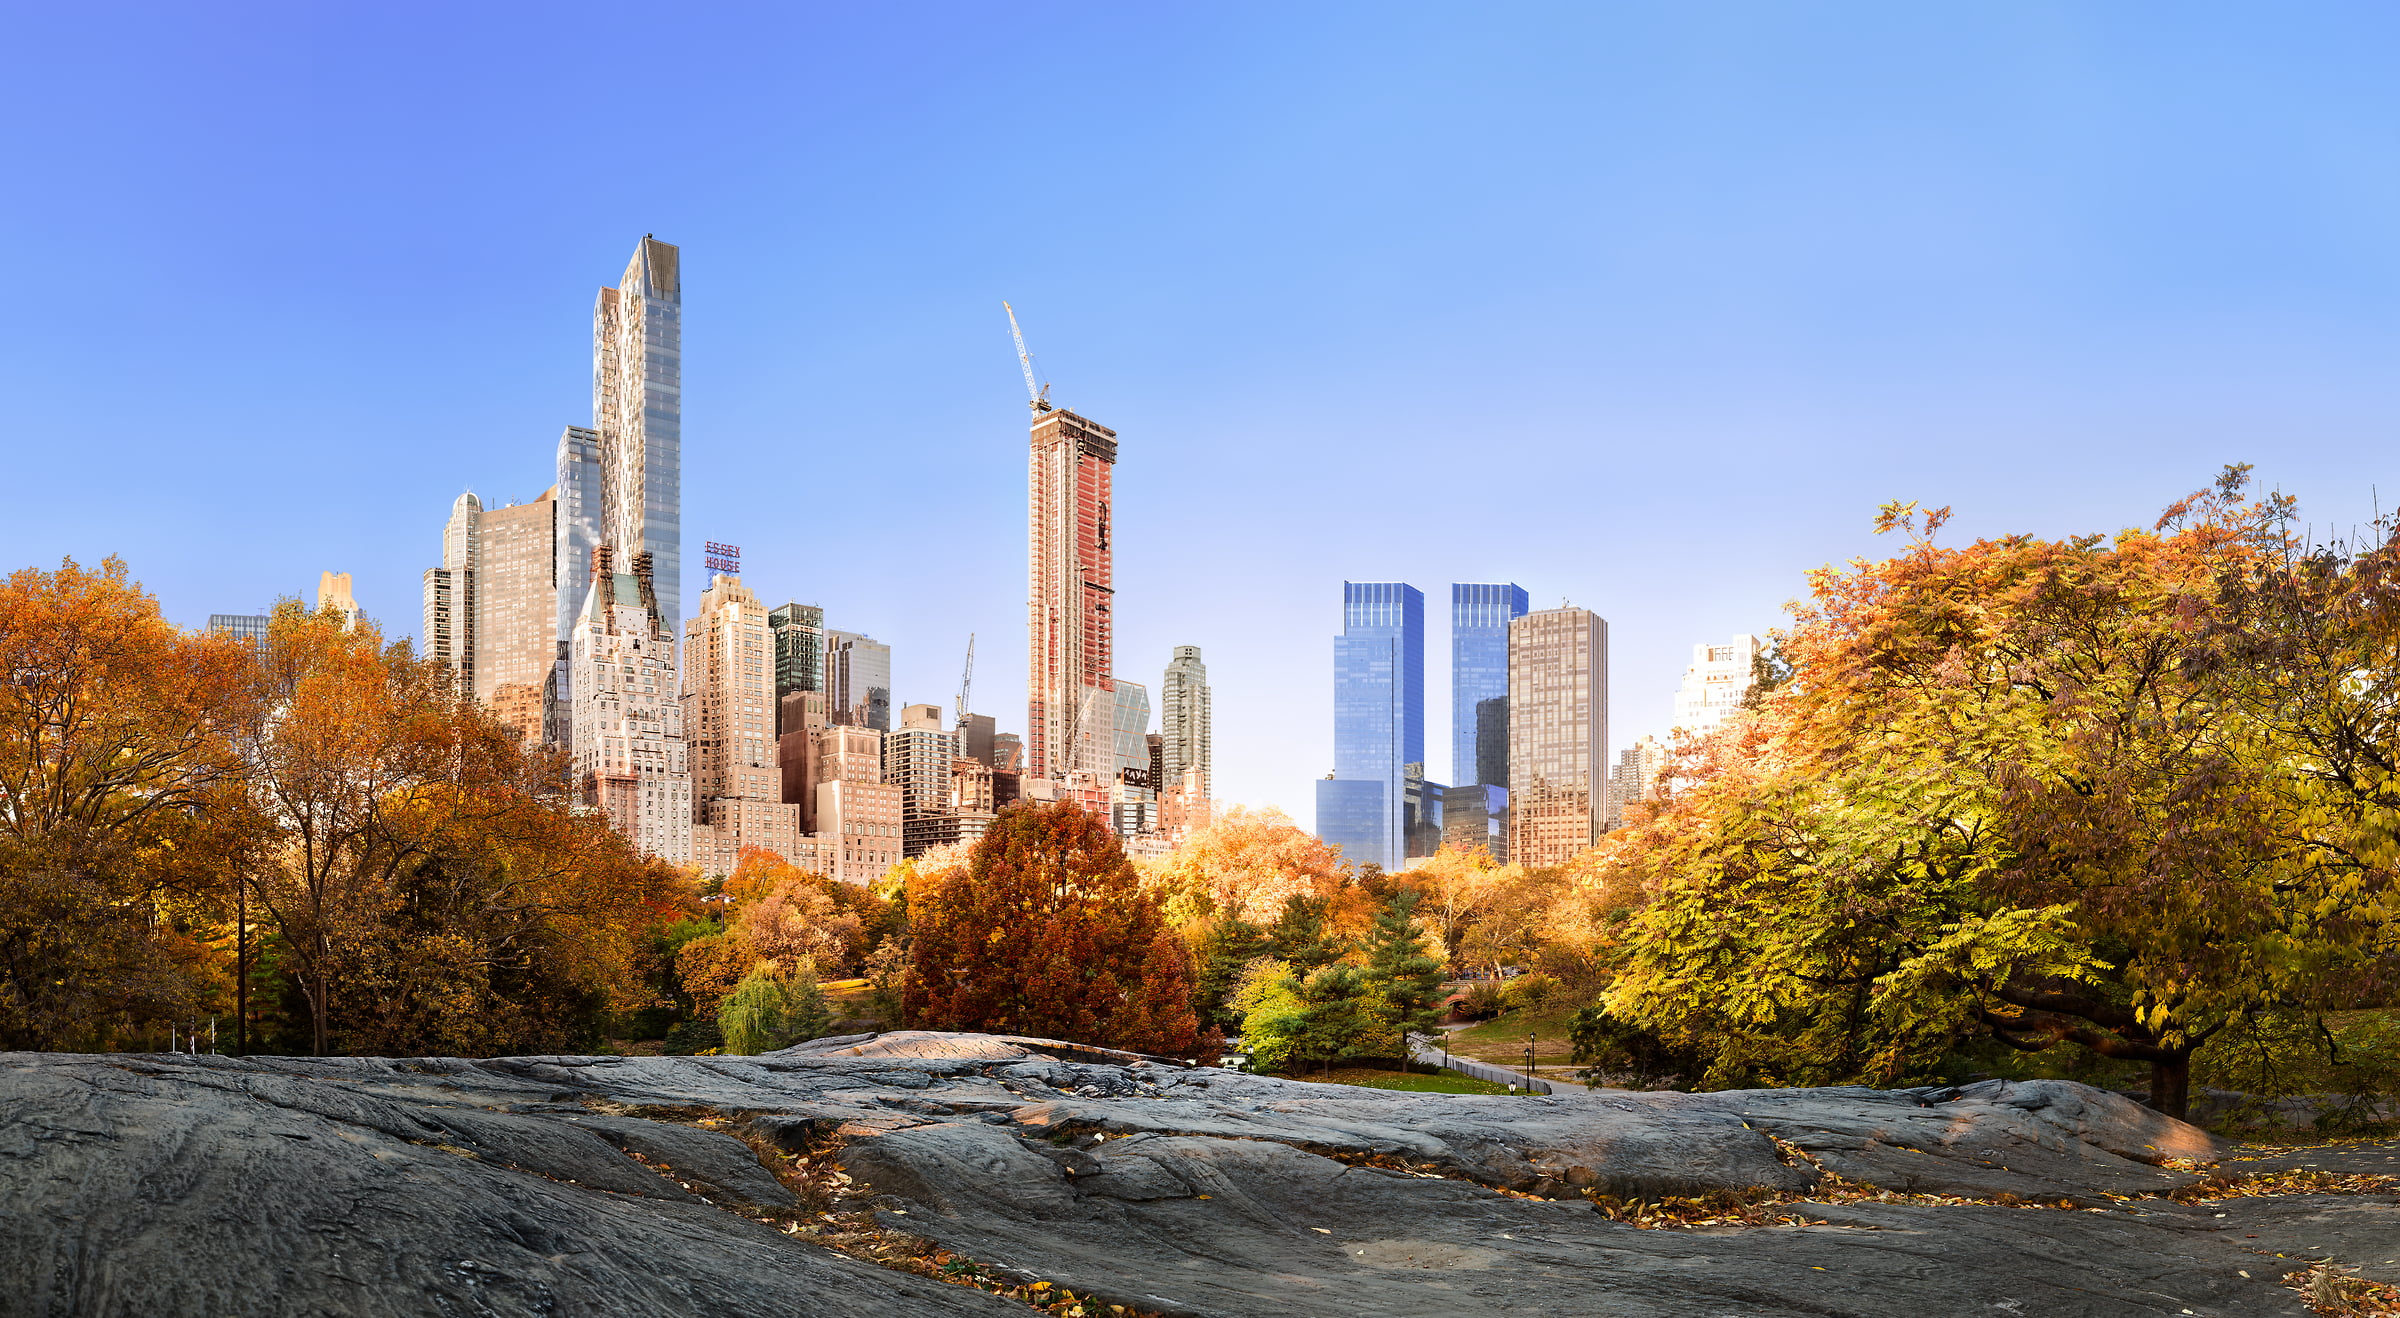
(1039, 395)
(966, 682)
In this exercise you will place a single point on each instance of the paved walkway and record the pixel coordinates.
(1430, 1050)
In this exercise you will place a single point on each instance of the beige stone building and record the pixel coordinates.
(729, 720)
(1715, 685)
(519, 709)
(858, 813)
(1557, 734)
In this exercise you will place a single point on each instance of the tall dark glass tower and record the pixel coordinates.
(1479, 618)
(1378, 721)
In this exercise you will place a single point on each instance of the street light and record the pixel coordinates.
(1529, 1062)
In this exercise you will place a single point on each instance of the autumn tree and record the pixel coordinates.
(1246, 864)
(2048, 792)
(116, 805)
(1048, 931)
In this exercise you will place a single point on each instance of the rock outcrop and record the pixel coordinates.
(168, 1185)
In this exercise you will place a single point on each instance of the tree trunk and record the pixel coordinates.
(2171, 1085)
(241, 965)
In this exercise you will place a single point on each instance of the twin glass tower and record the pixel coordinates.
(1377, 804)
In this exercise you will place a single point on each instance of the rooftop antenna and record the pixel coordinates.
(1039, 395)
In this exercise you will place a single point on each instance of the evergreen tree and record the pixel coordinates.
(1300, 936)
(1400, 969)
(1340, 1016)
(1226, 946)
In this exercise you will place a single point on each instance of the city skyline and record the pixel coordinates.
(1858, 262)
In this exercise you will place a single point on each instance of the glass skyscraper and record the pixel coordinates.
(1479, 616)
(1378, 721)
(637, 412)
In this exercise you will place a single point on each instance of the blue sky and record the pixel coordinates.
(1646, 306)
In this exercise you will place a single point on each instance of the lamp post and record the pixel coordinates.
(1529, 1062)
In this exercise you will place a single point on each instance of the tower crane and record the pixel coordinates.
(1039, 395)
(966, 682)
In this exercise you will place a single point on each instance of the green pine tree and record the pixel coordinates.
(1401, 969)
(1339, 1017)
(1299, 935)
(1226, 946)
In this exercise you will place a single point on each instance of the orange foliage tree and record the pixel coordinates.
(113, 769)
(777, 913)
(1245, 865)
(1049, 932)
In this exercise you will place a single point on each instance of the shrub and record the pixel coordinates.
(1528, 991)
(1483, 1000)
(693, 1037)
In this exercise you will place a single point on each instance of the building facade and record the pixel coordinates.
(1070, 706)
(799, 631)
(799, 717)
(858, 814)
(1476, 816)
(333, 592)
(1480, 613)
(858, 681)
(1186, 721)
(629, 757)
(491, 609)
(1378, 722)
(637, 413)
(1557, 734)
(515, 596)
(1715, 685)
(729, 674)
(248, 628)
(918, 758)
(1639, 769)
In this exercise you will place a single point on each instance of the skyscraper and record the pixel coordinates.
(629, 753)
(637, 410)
(491, 608)
(1185, 721)
(858, 680)
(516, 597)
(577, 526)
(249, 628)
(918, 759)
(1378, 722)
(1715, 684)
(333, 592)
(1479, 616)
(1557, 734)
(1070, 706)
(729, 723)
(799, 632)
(1639, 767)
(449, 634)
(578, 520)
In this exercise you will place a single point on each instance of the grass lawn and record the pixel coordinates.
(849, 998)
(1501, 1040)
(1446, 1082)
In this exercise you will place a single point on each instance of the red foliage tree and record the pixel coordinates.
(1049, 932)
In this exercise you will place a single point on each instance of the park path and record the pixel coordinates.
(1427, 1049)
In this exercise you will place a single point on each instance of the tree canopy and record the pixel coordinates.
(1048, 931)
